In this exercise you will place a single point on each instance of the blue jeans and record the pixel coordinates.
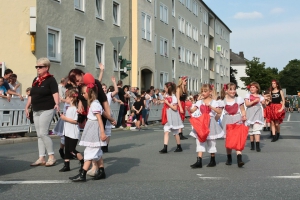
(120, 116)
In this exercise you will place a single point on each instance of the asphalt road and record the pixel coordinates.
(135, 170)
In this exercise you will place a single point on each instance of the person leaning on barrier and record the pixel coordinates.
(44, 100)
(3, 91)
(6, 76)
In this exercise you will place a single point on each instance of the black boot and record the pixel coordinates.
(178, 149)
(100, 174)
(268, 129)
(61, 153)
(257, 147)
(265, 129)
(212, 162)
(197, 164)
(277, 136)
(229, 159)
(81, 177)
(164, 150)
(182, 137)
(239, 160)
(81, 165)
(274, 138)
(252, 146)
(66, 167)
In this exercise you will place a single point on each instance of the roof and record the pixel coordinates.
(237, 58)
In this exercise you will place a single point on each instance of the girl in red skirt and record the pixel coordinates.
(181, 94)
(277, 112)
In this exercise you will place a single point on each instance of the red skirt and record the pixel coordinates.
(267, 112)
(182, 115)
(274, 114)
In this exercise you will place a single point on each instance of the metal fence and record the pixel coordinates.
(13, 118)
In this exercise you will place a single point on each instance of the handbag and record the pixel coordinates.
(201, 126)
(236, 136)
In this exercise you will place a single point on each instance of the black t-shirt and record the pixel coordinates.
(121, 94)
(142, 100)
(42, 96)
(138, 104)
(5, 84)
(276, 97)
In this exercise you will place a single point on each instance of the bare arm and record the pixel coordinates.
(242, 108)
(113, 79)
(101, 66)
(27, 106)
(56, 100)
(173, 107)
(106, 112)
(72, 121)
(14, 93)
(250, 103)
(282, 100)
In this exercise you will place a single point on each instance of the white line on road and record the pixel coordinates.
(33, 182)
(211, 178)
(287, 177)
(289, 117)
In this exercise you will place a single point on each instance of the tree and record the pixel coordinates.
(256, 72)
(289, 77)
(233, 72)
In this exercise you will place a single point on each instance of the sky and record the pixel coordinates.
(267, 29)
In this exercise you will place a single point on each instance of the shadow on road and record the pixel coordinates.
(119, 148)
(120, 165)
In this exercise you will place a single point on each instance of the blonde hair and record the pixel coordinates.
(256, 85)
(180, 83)
(92, 94)
(44, 61)
(225, 88)
(73, 93)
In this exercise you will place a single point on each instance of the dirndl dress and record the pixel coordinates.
(174, 122)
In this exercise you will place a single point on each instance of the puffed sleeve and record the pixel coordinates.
(174, 99)
(247, 96)
(261, 98)
(240, 100)
(220, 104)
(96, 108)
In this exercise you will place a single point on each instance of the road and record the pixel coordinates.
(135, 170)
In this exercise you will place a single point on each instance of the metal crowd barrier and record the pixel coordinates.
(13, 118)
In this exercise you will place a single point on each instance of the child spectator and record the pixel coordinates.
(137, 107)
(3, 91)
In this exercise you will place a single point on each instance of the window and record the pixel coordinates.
(99, 54)
(116, 67)
(163, 78)
(182, 25)
(116, 13)
(205, 17)
(205, 63)
(195, 33)
(173, 68)
(99, 9)
(200, 27)
(195, 8)
(217, 68)
(201, 51)
(79, 50)
(173, 8)
(54, 45)
(173, 37)
(181, 54)
(79, 5)
(163, 10)
(164, 50)
(205, 40)
(188, 4)
(146, 26)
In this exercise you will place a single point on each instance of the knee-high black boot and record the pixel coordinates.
(81, 165)
(165, 149)
(66, 167)
(212, 162)
(229, 159)
(257, 147)
(178, 149)
(239, 160)
(197, 164)
(252, 146)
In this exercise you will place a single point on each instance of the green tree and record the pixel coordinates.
(289, 77)
(256, 72)
(233, 72)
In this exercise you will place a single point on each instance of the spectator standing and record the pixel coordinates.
(62, 89)
(6, 76)
(137, 91)
(132, 97)
(44, 99)
(121, 94)
(3, 91)
(14, 85)
(138, 107)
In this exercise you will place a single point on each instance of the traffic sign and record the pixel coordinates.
(118, 42)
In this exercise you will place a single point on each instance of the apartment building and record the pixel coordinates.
(166, 39)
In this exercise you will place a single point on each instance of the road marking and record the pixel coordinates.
(289, 117)
(212, 178)
(33, 182)
(287, 177)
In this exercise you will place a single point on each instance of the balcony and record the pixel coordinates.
(211, 54)
(211, 32)
(211, 74)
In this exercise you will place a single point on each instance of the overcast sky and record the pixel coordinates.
(267, 29)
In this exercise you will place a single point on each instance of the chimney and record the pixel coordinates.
(241, 54)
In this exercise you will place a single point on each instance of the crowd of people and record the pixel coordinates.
(87, 107)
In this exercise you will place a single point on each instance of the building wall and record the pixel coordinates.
(71, 22)
(240, 73)
(15, 40)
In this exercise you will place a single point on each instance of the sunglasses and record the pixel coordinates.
(39, 67)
